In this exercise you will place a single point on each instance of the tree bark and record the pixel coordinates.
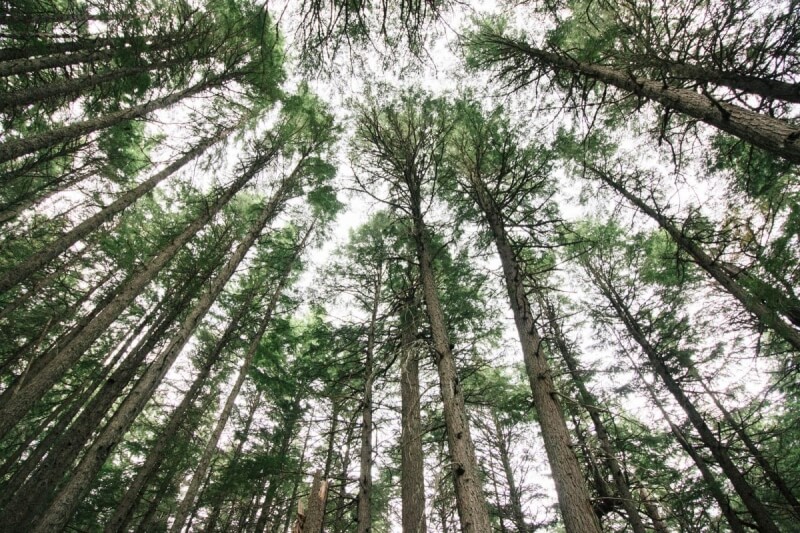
(705, 471)
(315, 516)
(758, 511)
(222, 419)
(514, 495)
(761, 310)
(39, 490)
(60, 511)
(53, 91)
(65, 356)
(364, 516)
(590, 403)
(771, 134)
(470, 500)
(157, 453)
(412, 471)
(14, 148)
(35, 262)
(573, 496)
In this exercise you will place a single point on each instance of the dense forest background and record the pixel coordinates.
(526, 266)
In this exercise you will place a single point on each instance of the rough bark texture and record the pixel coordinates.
(590, 403)
(60, 511)
(470, 500)
(759, 309)
(774, 135)
(573, 495)
(412, 471)
(315, 516)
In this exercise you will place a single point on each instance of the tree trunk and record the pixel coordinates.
(14, 148)
(412, 471)
(573, 496)
(102, 50)
(60, 511)
(513, 492)
(364, 517)
(35, 262)
(590, 403)
(222, 419)
(157, 453)
(759, 512)
(65, 356)
(761, 310)
(768, 88)
(773, 135)
(64, 88)
(470, 500)
(705, 471)
(315, 516)
(38, 492)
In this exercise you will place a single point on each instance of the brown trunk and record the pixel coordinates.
(470, 500)
(64, 356)
(514, 495)
(222, 419)
(54, 91)
(573, 496)
(14, 148)
(773, 135)
(759, 512)
(705, 471)
(60, 511)
(364, 517)
(37, 493)
(35, 262)
(769, 472)
(157, 453)
(589, 402)
(315, 516)
(761, 310)
(768, 88)
(412, 471)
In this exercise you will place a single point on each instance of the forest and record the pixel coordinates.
(416, 265)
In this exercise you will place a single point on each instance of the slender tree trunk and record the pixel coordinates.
(66, 56)
(573, 496)
(710, 479)
(35, 262)
(66, 355)
(157, 453)
(315, 515)
(222, 419)
(590, 403)
(769, 472)
(60, 511)
(470, 500)
(761, 310)
(759, 512)
(39, 490)
(364, 517)
(295, 486)
(53, 92)
(773, 135)
(513, 492)
(14, 148)
(412, 476)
